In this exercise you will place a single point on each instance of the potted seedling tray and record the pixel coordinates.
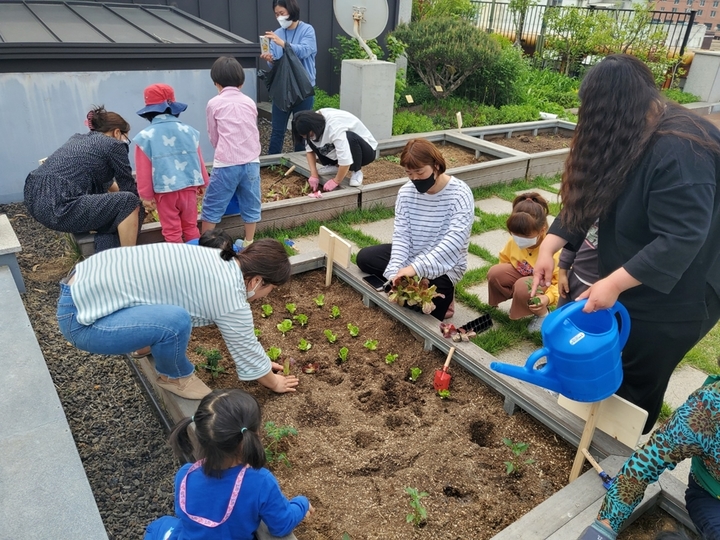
(364, 431)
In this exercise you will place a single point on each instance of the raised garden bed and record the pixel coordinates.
(532, 144)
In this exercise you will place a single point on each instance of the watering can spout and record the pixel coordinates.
(540, 377)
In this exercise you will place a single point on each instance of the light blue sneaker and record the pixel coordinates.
(536, 324)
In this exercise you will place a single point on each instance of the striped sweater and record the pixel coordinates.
(432, 232)
(192, 277)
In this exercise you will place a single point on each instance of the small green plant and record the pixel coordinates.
(418, 513)
(285, 326)
(332, 338)
(516, 463)
(444, 394)
(415, 291)
(334, 312)
(304, 345)
(212, 361)
(319, 300)
(371, 344)
(273, 450)
(392, 158)
(535, 300)
(286, 365)
(415, 373)
(284, 192)
(274, 353)
(257, 332)
(354, 330)
(267, 310)
(301, 318)
(343, 354)
(305, 189)
(291, 308)
(666, 412)
(390, 358)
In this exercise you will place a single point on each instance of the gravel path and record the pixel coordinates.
(121, 443)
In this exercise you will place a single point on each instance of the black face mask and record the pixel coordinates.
(424, 184)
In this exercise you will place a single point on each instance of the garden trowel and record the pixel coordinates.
(442, 377)
(605, 477)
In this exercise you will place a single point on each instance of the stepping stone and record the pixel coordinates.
(380, 230)
(494, 205)
(475, 262)
(549, 197)
(493, 240)
(481, 291)
(517, 354)
(556, 186)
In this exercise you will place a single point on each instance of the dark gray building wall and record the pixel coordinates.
(251, 18)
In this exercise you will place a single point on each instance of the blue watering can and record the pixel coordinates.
(582, 352)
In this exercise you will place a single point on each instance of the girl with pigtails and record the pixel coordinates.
(226, 492)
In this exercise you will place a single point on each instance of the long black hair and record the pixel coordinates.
(227, 424)
(305, 122)
(621, 111)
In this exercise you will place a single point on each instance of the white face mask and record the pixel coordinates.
(524, 243)
(284, 22)
(251, 293)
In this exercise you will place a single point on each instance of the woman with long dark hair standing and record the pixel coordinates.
(648, 169)
(300, 37)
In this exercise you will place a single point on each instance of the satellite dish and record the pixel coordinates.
(363, 19)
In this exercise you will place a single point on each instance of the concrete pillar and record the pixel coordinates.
(367, 90)
(704, 77)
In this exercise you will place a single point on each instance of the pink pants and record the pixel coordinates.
(178, 215)
(505, 282)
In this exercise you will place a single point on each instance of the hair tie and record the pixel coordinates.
(192, 418)
(243, 430)
(89, 120)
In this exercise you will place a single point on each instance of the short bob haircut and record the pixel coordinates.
(226, 71)
(291, 6)
(306, 121)
(420, 152)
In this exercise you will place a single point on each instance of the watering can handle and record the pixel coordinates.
(567, 309)
(624, 322)
(573, 307)
(534, 357)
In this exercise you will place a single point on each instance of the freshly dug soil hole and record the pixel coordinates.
(365, 432)
(534, 144)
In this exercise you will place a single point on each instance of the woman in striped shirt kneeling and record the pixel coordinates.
(121, 300)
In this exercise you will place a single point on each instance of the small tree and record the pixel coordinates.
(424, 9)
(519, 9)
(445, 51)
(572, 34)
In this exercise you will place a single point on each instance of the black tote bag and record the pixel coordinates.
(287, 82)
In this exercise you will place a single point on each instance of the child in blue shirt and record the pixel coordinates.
(228, 492)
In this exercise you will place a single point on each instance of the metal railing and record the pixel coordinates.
(674, 29)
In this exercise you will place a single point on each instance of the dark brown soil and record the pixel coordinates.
(532, 145)
(650, 524)
(274, 186)
(365, 432)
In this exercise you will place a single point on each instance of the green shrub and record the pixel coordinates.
(445, 51)
(423, 9)
(349, 48)
(408, 122)
(677, 95)
(510, 114)
(543, 87)
(496, 83)
(323, 100)
(419, 92)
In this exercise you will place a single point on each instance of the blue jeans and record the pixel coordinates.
(279, 125)
(240, 180)
(165, 328)
(704, 510)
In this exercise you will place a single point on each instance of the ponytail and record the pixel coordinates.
(218, 239)
(180, 441)
(529, 214)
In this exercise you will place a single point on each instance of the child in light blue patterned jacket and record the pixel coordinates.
(170, 168)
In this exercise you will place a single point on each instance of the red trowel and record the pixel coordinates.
(442, 377)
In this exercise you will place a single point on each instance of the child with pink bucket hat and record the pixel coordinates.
(170, 168)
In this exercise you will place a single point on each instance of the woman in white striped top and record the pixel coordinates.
(121, 300)
(434, 213)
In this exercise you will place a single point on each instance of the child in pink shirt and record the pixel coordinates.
(169, 165)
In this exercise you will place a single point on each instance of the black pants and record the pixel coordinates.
(374, 260)
(362, 152)
(653, 351)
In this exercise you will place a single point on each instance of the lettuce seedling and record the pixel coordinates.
(390, 358)
(267, 310)
(257, 332)
(343, 354)
(292, 308)
(418, 512)
(311, 367)
(332, 338)
(285, 326)
(534, 300)
(274, 353)
(301, 318)
(354, 330)
(370, 344)
(319, 300)
(415, 373)
(415, 291)
(304, 345)
(444, 394)
(335, 312)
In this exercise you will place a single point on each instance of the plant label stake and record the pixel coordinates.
(442, 377)
(605, 477)
(337, 250)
